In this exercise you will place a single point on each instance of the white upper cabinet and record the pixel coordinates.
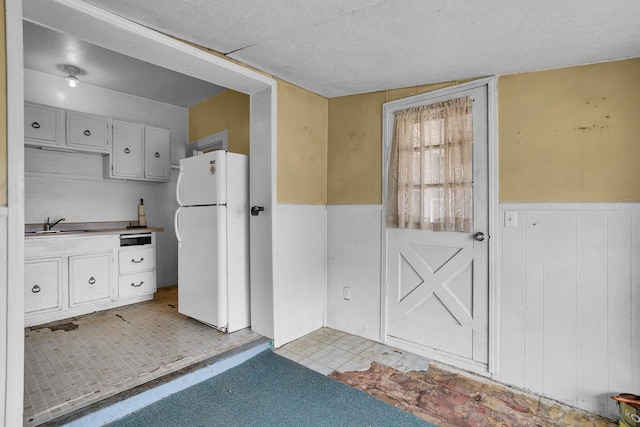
(133, 150)
(43, 126)
(87, 132)
(139, 152)
(156, 153)
(126, 157)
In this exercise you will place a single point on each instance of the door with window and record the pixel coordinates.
(437, 223)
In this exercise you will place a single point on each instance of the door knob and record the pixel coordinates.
(479, 236)
(255, 210)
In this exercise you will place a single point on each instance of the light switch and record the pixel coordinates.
(346, 293)
(510, 219)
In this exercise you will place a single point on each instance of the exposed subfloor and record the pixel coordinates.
(429, 390)
(76, 362)
(99, 355)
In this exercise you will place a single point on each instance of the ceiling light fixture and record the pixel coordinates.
(71, 78)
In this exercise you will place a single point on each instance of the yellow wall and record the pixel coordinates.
(565, 135)
(571, 134)
(302, 145)
(227, 110)
(355, 144)
(302, 137)
(3, 110)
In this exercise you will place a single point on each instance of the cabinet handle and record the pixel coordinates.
(137, 262)
(87, 132)
(137, 286)
(92, 280)
(35, 125)
(157, 154)
(127, 151)
(35, 289)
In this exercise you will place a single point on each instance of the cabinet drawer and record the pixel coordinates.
(86, 132)
(136, 284)
(43, 125)
(42, 284)
(89, 278)
(136, 260)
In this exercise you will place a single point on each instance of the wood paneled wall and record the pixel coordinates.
(570, 303)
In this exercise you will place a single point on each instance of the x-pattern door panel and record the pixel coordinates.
(432, 287)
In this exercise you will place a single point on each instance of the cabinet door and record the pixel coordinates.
(87, 132)
(156, 153)
(126, 156)
(43, 125)
(42, 278)
(89, 278)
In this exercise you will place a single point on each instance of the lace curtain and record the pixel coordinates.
(430, 173)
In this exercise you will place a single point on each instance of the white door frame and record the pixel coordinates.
(494, 229)
(112, 32)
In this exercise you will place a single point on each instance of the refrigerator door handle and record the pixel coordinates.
(176, 227)
(179, 181)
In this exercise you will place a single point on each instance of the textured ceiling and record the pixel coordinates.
(48, 51)
(342, 47)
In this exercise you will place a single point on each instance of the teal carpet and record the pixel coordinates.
(270, 390)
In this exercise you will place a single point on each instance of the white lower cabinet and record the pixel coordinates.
(89, 278)
(42, 281)
(67, 276)
(137, 268)
(136, 284)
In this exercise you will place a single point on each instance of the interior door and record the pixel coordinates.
(438, 281)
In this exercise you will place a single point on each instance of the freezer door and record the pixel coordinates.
(202, 180)
(202, 264)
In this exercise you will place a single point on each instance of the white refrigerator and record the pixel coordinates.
(212, 228)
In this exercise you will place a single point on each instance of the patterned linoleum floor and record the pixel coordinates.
(112, 351)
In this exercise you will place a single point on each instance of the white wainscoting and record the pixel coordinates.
(300, 283)
(353, 260)
(3, 307)
(570, 309)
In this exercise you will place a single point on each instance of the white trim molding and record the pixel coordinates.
(572, 206)
(215, 141)
(14, 339)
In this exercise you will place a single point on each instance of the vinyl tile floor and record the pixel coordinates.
(326, 350)
(73, 363)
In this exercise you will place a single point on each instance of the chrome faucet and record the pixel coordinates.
(48, 226)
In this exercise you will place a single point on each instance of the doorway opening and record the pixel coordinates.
(94, 25)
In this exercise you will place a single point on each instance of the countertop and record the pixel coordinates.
(36, 231)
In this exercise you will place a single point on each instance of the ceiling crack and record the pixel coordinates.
(239, 49)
